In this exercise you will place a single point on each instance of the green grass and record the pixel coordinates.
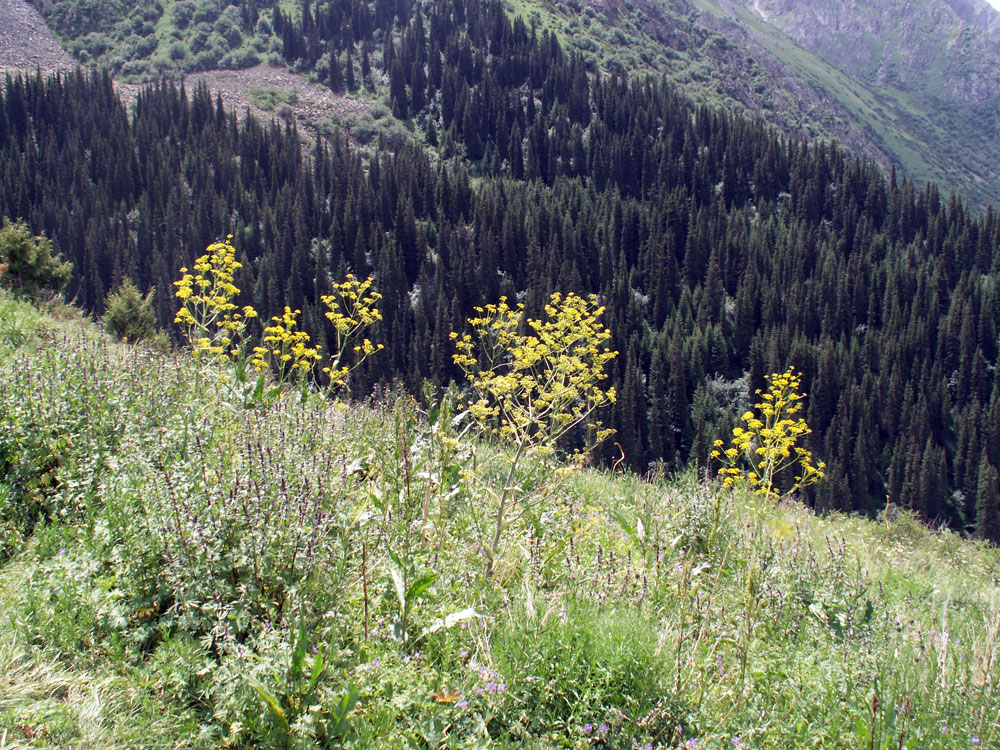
(194, 574)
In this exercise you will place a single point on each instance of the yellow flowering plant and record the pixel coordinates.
(212, 323)
(768, 443)
(285, 348)
(351, 309)
(534, 388)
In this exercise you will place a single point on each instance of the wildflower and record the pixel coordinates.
(603, 729)
(691, 744)
(462, 703)
(944, 729)
(351, 309)
(588, 728)
(974, 741)
(210, 318)
(768, 442)
(738, 742)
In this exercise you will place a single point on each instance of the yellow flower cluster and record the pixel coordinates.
(767, 444)
(212, 322)
(533, 388)
(351, 309)
(287, 348)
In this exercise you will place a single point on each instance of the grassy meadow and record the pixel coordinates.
(181, 567)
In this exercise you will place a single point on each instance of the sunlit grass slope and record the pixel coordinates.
(181, 571)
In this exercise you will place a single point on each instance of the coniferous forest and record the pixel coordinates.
(722, 251)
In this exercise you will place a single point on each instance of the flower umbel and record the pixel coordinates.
(352, 309)
(767, 444)
(285, 347)
(212, 322)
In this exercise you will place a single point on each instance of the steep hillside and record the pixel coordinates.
(930, 69)
(737, 54)
(187, 572)
(26, 42)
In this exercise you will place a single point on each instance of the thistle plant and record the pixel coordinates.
(534, 388)
(351, 309)
(767, 444)
(212, 323)
(286, 348)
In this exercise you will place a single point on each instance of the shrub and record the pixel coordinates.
(178, 51)
(128, 315)
(239, 59)
(27, 264)
(183, 13)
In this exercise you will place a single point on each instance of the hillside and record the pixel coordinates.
(928, 71)
(725, 53)
(721, 250)
(184, 572)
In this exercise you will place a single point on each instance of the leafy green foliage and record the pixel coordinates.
(27, 263)
(129, 316)
(235, 568)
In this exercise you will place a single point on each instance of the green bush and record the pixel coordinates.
(27, 263)
(128, 315)
(238, 59)
(183, 13)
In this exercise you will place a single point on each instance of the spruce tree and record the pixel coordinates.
(988, 503)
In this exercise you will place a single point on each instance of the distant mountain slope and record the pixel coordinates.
(911, 84)
(924, 75)
(25, 40)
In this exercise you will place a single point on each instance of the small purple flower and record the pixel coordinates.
(62, 550)
(738, 742)
(462, 704)
(974, 741)
(603, 729)
(463, 654)
(944, 729)
(691, 744)
(588, 728)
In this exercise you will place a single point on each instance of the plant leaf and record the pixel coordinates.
(420, 586)
(272, 703)
(470, 613)
(398, 583)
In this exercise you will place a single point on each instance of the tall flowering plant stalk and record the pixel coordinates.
(351, 309)
(768, 443)
(533, 388)
(212, 323)
(286, 348)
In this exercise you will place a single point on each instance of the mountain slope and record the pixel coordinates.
(923, 103)
(931, 70)
(26, 42)
(181, 572)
